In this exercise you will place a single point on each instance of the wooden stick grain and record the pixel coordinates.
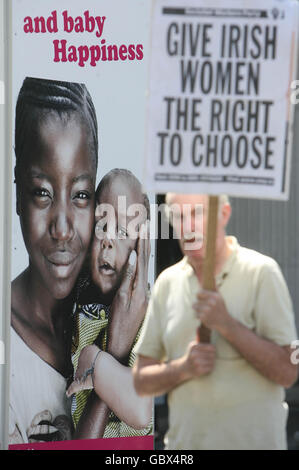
(203, 333)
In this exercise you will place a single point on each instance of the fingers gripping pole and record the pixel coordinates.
(203, 333)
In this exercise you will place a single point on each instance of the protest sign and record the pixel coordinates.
(219, 113)
(219, 110)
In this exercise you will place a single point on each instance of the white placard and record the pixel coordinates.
(219, 111)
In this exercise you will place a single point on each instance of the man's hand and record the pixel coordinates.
(200, 359)
(270, 359)
(130, 302)
(210, 309)
(153, 378)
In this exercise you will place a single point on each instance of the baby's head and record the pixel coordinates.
(121, 208)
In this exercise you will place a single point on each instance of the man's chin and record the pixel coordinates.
(196, 255)
(192, 245)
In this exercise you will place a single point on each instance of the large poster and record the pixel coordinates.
(3, 253)
(220, 114)
(81, 264)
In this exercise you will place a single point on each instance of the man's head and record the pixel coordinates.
(119, 197)
(188, 213)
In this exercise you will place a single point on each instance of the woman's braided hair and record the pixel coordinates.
(40, 97)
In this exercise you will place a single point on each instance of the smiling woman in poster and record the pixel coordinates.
(56, 147)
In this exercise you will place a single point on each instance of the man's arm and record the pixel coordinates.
(152, 377)
(270, 359)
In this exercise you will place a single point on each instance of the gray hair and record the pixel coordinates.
(223, 199)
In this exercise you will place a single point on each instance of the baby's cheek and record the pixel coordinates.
(125, 248)
(132, 245)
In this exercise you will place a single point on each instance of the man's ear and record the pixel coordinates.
(17, 193)
(226, 213)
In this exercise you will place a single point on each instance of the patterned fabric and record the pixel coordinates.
(91, 322)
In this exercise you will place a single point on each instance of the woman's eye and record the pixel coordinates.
(82, 198)
(41, 193)
(82, 195)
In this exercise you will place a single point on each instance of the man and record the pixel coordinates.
(227, 394)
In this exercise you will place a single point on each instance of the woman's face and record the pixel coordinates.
(56, 202)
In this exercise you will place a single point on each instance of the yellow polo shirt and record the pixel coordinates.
(234, 407)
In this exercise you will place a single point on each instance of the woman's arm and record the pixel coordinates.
(126, 315)
(93, 420)
(113, 383)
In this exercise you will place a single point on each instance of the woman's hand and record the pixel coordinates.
(130, 302)
(83, 376)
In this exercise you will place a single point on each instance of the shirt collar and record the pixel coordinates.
(226, 268)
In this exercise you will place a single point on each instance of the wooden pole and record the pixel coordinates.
(203, 333)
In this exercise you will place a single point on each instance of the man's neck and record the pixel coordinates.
(220, 260)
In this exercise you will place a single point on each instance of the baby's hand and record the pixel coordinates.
(83, 376)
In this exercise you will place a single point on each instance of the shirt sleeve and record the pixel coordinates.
(274, 311)
(150, 343)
